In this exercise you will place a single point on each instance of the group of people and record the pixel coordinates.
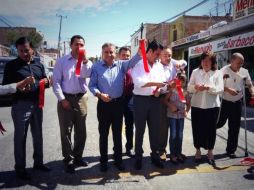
(159, 99)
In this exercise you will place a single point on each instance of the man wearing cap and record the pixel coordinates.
(235, 79)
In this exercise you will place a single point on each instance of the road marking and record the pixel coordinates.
(162, 172)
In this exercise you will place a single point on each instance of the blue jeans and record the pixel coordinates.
(176, 136)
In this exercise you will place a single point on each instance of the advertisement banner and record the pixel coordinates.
(234, 42)
(191, 38)
(243, 8)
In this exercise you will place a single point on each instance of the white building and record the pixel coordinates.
(137, 36)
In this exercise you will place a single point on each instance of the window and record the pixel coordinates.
(174, 35)
(136, 42)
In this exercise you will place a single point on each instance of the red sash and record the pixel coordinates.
(81, 55)
(2, 130)
(180, 90)
(143, 51)
(41, 93)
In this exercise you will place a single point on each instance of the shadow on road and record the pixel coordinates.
(92, 175)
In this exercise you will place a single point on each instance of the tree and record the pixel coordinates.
(35, 37)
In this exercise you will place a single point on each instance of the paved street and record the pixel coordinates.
(228, 174)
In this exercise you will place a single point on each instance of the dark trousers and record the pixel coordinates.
(25, 112)
(129, 121)
(231, 111)
(69, 119)
(110, 114)
(146, 110)
(204, 127)
(163, 127)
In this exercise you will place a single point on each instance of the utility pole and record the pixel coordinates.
(217, 7)
(60, 28)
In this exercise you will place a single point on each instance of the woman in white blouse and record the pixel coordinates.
(206, 83)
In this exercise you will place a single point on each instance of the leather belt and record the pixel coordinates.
(78, 95)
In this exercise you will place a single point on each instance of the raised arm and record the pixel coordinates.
(131, 63)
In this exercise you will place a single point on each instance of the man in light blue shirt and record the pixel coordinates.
(70, 91)
(106, 82)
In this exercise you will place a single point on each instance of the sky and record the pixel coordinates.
(98, 21)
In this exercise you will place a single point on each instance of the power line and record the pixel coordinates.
(184, 12)
(4, 21)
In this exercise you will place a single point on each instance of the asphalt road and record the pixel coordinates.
(228, 174)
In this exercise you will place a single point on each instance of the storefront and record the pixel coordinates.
(224, 48)
(243, 43)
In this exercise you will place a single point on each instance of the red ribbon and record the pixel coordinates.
(180, 90)
(143, 51)
(156, 90)
(81, 54)
(252, 101)
(247, 161)
(2, 129)
(41, 93)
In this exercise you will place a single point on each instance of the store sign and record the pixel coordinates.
(235, 42)
(243, 8)
(191, 38)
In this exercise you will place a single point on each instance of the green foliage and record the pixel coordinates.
(34, 36)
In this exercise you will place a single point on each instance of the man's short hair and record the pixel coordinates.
(167, 47)
(23, 40)
(154, 45)
(239, 56)
(107, 44)
(124, 48)
(76, 37)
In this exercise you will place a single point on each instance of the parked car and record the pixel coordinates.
(5, 100)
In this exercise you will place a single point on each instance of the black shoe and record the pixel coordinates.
(104, 167)
(211, 162)
(231, 155)
(80, 163)
(42, 168)
(22, 174)
(130, 153)
(138, 164)
(69, 168)
(120, 166)
(158, 163)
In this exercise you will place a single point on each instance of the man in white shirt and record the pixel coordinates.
(170, 68)
(146, 105)
(235, 79)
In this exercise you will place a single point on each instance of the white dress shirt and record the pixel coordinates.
(207, 98)
(8, 89)
(236, 82)
(171, 70)
(140, 78)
